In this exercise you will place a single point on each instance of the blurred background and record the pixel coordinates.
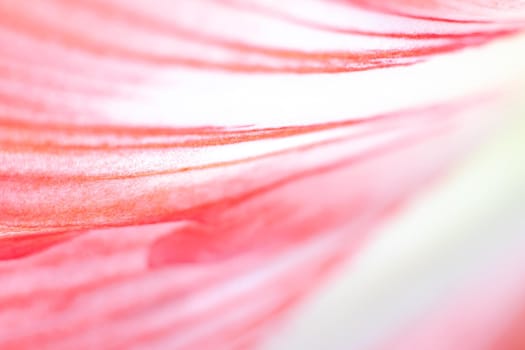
(448, 272)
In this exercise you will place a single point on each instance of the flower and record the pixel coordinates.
(179, 176)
